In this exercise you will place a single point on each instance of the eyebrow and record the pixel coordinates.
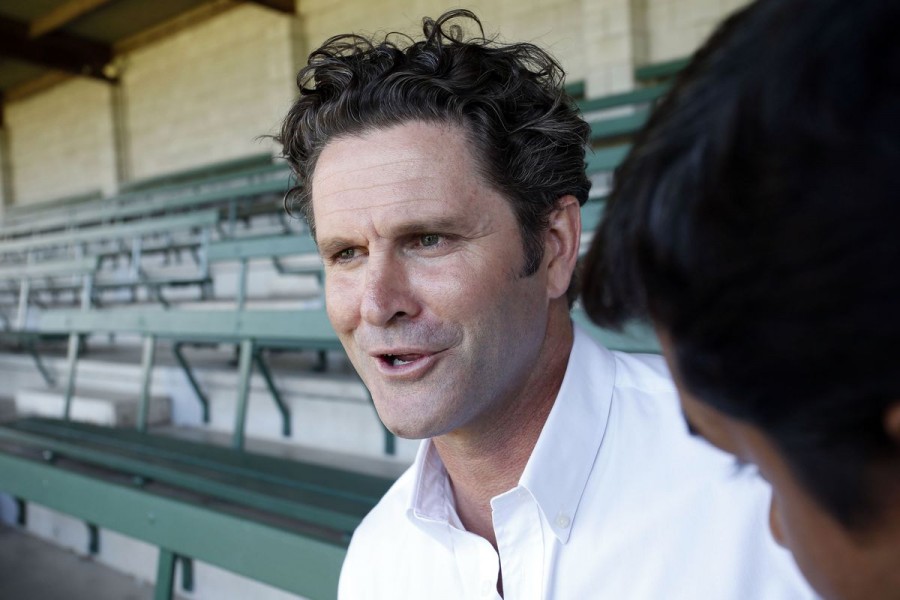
(438, 224)
(333, 245)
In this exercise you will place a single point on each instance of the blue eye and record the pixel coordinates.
(346, 254)
(430, 239)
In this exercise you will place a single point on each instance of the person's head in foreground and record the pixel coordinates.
(756, 223)
(442, 181)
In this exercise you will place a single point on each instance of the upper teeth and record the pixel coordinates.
(395, 361)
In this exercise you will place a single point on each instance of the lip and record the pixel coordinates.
(409, 371)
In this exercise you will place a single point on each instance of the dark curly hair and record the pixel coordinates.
(509, 99)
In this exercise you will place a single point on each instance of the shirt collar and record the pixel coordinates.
(560, 464)
(564, 455)
(432, 498)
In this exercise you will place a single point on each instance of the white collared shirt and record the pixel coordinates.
(617, 501)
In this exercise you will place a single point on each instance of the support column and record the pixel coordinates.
(6, 171)
(121, 140)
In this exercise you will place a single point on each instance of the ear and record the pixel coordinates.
(561, 243)
(892, 422)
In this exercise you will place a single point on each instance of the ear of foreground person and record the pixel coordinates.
(755, 224)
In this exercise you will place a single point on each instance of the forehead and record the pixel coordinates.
(415, 163)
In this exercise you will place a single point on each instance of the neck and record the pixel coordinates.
(483, 462)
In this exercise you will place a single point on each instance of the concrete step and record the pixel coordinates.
(32, 568)
(101, 406)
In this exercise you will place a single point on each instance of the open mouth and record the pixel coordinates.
(398, 360)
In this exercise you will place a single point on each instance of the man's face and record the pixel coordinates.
(423, 281)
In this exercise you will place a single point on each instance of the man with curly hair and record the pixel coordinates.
(443, 179)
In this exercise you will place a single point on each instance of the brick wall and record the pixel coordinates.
(676, 27)
(206, 93)
(60, 142)
(553, 24)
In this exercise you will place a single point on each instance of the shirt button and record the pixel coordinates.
(488, 589)
(563, 521)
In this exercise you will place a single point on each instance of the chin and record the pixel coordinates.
(406, 428)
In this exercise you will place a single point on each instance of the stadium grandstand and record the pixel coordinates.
(177, 417)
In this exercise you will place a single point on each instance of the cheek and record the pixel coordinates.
(341, 301)
(451, 288)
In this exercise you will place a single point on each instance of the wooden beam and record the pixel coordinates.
(182, 22)
(63, 14)
(285, 6)
(36, 85)
(58, 50)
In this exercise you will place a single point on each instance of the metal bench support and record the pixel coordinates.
(165, 575)
(245, 368)
(187, 573)
(147, 360)
(41, 367)
(93, 539)
(273, 389)
(72, 362)
(201, 395)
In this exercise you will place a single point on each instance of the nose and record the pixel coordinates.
(775, 522)
(387, 295)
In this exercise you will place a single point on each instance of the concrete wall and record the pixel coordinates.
(553, 24)
(61, 142)
(676, 27)
(206, 93)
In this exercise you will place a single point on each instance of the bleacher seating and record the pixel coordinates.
(320, 503)
(235, 188)
(274, 520)
(197, 500)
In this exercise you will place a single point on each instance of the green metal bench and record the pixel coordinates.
(660, 71)
(101, 233)
(605, 160)
(281, 522)
(125, 239)
(640, 96)
(576, 89)
(242, 182)
(278, 521)
(202, 172)
(273, 247)
(606, 130)
(17, 214)
(82, 270)
(227, 192)
(591, 213)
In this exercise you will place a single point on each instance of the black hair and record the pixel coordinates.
(756, 222)
(526, 133)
